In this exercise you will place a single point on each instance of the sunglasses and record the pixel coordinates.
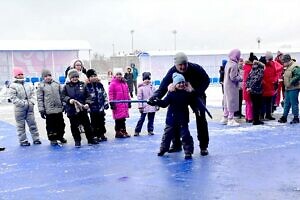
(20, 74)
(182, 82)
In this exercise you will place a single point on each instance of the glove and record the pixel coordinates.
(106, 106)
(43, 114)
(129, 105)
(152, 101)
(112, 106)
(86, 106)
(71, 101)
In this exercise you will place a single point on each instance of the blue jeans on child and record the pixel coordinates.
(140, 123)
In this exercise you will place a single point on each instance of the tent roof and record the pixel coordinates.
(218, 52)
(24, 45)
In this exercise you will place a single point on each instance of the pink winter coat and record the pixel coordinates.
(247, 69)
(118, 90)
(145, 91)
(269, 79)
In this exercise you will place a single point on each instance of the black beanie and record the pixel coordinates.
(263, 59)
(146, 75)
(252, 57)
(90, 72)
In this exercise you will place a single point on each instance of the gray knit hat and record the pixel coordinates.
(72, 73)
(180, 58)
(45, 72)
(269, 55)
(286, 58)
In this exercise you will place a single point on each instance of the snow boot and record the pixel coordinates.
(119, 134)
(161, 153)
(258, 122)
(2, 148)
(224, 120)
(37, 141)
(282, 119)
(295, 120)
(204, 152)
(136, 134)
(124, 132)
(63, 140)
(77, 144)
(25, 144)
(188, 156)
(232, 122)
(150, 133)
(53, 143)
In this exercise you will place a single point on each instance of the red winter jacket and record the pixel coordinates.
(269, 79)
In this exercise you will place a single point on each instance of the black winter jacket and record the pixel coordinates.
(178, 111)
(77, 91)
(195, 75)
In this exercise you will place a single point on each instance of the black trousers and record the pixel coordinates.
(120, 124)
(267, 106)
(98, 123)
(256, 105)
(239, 112)
(202, 131)
(81, 118)
(184, 133)
(55, 126)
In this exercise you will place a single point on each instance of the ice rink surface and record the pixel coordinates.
(245, 162)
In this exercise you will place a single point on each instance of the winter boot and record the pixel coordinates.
(2, 148)
(25, 144)
(93, 142)
(204, 152)
(136, 134)
(269, 117)
(124, 132)
(119, 134)
(103, 138)
(150, 133)
(63, 140)
(232, 122)
(224, 120)
(53, 143)
(282, 119)
(161, 153)
(258, 122)
(37, 141)
(188, 156)
(295, 120)
(77, 144)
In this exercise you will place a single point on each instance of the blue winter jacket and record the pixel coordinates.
(98, 96)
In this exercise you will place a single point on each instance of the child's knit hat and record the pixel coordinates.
(17, 71)
(177, 78)
(72, 73)
(45, 72)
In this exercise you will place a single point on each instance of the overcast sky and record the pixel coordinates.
(200, 24)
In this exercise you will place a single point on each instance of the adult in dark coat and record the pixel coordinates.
(199, 80)
(129, 80)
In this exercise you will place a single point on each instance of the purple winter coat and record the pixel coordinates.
(118, 90)
(145, 91)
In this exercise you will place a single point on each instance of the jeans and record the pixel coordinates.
(140, 123)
